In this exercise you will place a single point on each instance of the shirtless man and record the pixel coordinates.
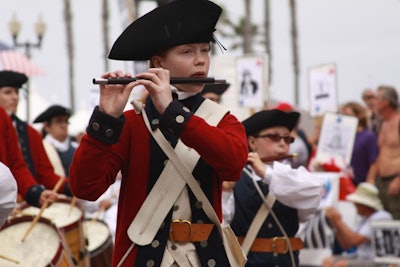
(385, 172)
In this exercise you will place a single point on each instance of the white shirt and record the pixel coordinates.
(295, 188)
(8, 193)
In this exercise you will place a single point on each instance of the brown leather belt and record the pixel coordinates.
(277, 245)
(183, 231)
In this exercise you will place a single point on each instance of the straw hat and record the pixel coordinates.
(366, 194)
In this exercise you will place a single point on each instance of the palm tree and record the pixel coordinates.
(295, 50)
(267, 37)
(70, 50)
(106, 46)
(243, 34)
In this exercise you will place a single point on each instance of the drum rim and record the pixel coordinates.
(67, 200)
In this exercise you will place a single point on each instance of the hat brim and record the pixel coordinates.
(216, 88)
(12, 79)
(51, 112)
(175, 23)
(270, 118)
(355, 198)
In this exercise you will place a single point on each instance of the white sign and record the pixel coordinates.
(252, 75)
(323, 89)
(386, 241)
(336, 140)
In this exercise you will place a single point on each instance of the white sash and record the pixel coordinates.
(170, 184)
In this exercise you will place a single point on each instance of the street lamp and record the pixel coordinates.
(40, 29)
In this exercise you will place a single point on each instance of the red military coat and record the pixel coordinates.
(10, 154)
(96, 164)
(45, 174)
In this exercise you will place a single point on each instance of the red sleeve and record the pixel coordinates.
(224, 147)
(11, 155)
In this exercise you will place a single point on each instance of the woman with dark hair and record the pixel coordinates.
(365, 149)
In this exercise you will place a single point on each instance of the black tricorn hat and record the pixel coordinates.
(172, 24)
(270, 118)
(51, 112)
(12, 79)
(216, 88)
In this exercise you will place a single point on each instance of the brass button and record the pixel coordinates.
(179, 119)
(203, 243)
(175, 208)
(155, 121)
(186, 109)
(198, 204)
(155, 243)
(211, 263)
(109, 132)
(173, 247)
(96, 126)
(150, 263)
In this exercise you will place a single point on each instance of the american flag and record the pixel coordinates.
(15, 61)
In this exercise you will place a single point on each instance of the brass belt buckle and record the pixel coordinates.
(274, 246)
(190, 232)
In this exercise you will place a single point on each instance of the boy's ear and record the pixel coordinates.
(156, 62)
(251, 141)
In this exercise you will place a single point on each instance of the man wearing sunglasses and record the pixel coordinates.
(293, 194)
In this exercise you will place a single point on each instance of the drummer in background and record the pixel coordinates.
(297, 192)
(214, 91)
(29, 189)
(60, 149)
(30, 141)
(8, 193)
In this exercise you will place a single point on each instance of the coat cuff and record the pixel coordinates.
(104, 127)
(33, 195)
(175, 117)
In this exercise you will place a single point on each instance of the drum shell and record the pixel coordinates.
(102, 249)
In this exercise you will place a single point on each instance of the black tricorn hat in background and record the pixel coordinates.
(270, 118)
(51, 112)
(172, 24)
(12, 79)
(216, 88)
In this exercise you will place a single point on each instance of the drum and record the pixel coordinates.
(100, 243)
(69, 221)
(41, 247)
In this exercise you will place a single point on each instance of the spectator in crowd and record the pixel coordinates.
(370, 208)
(385, 172)
(365, 150)
(373, 118)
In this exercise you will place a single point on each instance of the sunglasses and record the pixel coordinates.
(277, 138)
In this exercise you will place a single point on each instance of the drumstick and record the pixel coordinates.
(46, 203)
(8, 259)
(73, 203)
(102, 208)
